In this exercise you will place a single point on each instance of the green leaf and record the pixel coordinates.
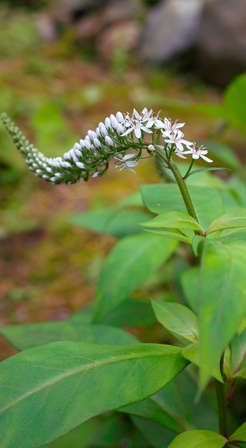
(234, 101)
(49, 390)
(162, 198)
(190, 283)
(198, 438)
(233, 219)
(127, 267)
(222, 296)
(115, 222)
(238, 352)
(176, 220)
(239, 434)
(170, 233)
(224, 154)
(192, 353)
(27, 336)
(155, 433)
(165, 407)
(201, 412)
(178, 319)
(131, 313)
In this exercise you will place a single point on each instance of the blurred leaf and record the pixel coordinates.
(222, 297)
(52, 133)
(234, 102)
(165, 407)
(190, 283)
(73, 382)
(115, 222)
(238, 352)
(224, 154)
(155, 433)
(164, 198)
(127, 267)
(178, 319)
(200, 410)
(198, 438)
(27, 336)
(130, 313)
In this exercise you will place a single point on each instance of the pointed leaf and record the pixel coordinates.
(198, 438)
(127, 267)
(222, 296)
(239, 434)
(178, 319)
(165, 198)
(176, 220)
(170, 233)
(27, 336)
(49, 390)
(233, 219)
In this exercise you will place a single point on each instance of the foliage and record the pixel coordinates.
(71, 371)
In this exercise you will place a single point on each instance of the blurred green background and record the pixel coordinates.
(55, 90)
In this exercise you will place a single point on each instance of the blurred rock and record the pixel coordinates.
(122, 36)
(46, 27)
(118, 10)
(221, 41)
(171, 28)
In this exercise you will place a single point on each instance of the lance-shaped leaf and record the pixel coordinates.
(49, 390)
(175, 220)
(222, 296)
(162, 198)
(27, 336)
(239, 434)
(127, 267)
(170, 233)
(166, 407)
(198, 438)
(178, 319)
(235, 219)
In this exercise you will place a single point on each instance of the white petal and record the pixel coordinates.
(206, 159)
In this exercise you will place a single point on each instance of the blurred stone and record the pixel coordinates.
(221, 41)
(121, 36)
(89, 26)
(46, 27)
(171, 28)
(118, 10)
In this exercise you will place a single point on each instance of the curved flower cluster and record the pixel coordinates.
(114, 138)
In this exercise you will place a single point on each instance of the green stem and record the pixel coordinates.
(189, 170)
(221, 401)
(183, 190)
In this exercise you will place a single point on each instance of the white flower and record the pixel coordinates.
(170, 126)
(198, 151)
(125, 163)
(176, 138)
(136, 123)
